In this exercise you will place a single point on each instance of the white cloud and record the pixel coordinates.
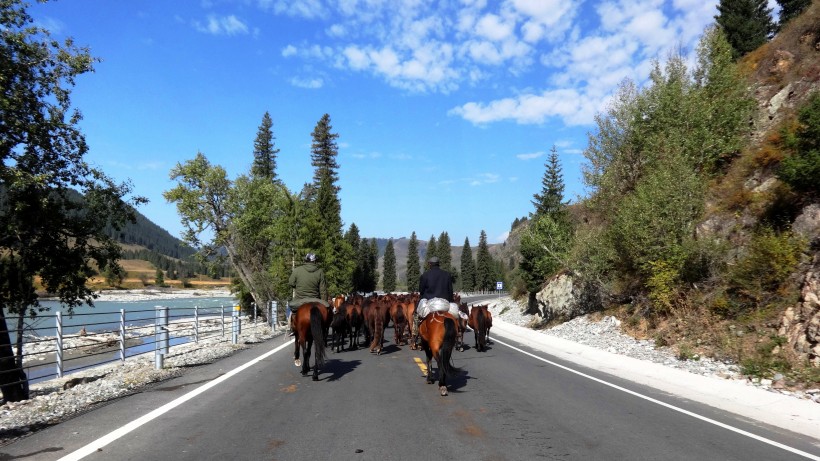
(224, 25)
(289, 50)
(309, 83)
(530, 156)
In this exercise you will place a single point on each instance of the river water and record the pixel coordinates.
(105, 317)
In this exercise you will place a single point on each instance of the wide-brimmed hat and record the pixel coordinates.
(433, 260)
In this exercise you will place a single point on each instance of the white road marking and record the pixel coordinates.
(116, 434)
(664, 404)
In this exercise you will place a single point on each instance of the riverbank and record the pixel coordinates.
(147, 294)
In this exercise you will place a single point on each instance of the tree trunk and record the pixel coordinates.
(13, 381)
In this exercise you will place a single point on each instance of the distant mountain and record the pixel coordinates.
(146, 234)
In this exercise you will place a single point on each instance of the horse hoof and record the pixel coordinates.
(442, 390)
(297, 362)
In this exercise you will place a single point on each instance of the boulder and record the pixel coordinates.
(565, 297)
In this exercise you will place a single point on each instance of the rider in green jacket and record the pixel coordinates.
(308, 283)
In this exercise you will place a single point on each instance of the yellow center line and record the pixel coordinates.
(421, 365)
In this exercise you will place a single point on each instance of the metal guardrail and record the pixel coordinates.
(137, 332)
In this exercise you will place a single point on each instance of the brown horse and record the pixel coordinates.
(311, 323)
(462, 326)
(376, 315)
(480, 321)
(355, 320)
(438, 338)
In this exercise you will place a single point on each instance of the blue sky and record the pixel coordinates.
(445, 110)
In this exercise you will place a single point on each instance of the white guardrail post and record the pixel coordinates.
(161, 336)
(196, 324)
(59, 351)
(235, 325)
(122, 335)
(222, 316)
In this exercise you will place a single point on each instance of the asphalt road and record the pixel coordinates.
(505, 405)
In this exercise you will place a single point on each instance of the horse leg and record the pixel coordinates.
(442, 375)
(429, 353)
(296, 360)
(306, 356)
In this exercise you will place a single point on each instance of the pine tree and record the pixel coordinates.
(550, 200)
(389, 268)
(373, 260)
(264, 151)
(445, 252)
(484, 265)
(791, 9)
(746, 23)
(467, 267)
(432, 249)
(336, 255)
(413, 264)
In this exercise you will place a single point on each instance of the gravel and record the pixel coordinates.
(56, 400)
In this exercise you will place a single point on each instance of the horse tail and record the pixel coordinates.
(317, 330)
(482, 328)
(447, 345)
(378, 327)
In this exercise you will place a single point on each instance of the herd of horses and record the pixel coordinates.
(351, 317)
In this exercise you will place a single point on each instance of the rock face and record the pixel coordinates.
(808, 223)
(565, 297)
(800, 324)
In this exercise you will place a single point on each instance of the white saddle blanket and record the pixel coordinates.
(438, 305)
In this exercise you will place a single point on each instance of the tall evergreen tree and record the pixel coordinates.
(413, 264)
(432, 249)
(445, 252)
(336, 255)
(374, 264)
(389, 268)
(362, 282)
(484, 265)
(746, 23)
(550, 200)
(264, 151)
(547, 240)
(467, 267)
(790, 9)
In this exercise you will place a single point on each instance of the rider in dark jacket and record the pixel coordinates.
(434, 283)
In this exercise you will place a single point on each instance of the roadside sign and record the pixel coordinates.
(499, 285)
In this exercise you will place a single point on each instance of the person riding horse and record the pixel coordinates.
(434, 283)
(309, 285)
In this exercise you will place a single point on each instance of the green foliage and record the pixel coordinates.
(769, 260)
(485, 272)
(790, 9)
(551, 198)
(113, 274)
(413, 264)
(467, 267)
(389, 268)
(159, 278)
(801, 170)
(432, 249)
(45, 230)
(653, 223)
(662, 283)
(444, 250)
(746, 23)
(264, 152)
(544, 248)
(545, 244)
(764, 363)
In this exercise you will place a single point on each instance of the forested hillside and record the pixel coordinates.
(702, 225)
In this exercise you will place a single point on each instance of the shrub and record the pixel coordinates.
(769, 260)
(662, 284)
(802, 169)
